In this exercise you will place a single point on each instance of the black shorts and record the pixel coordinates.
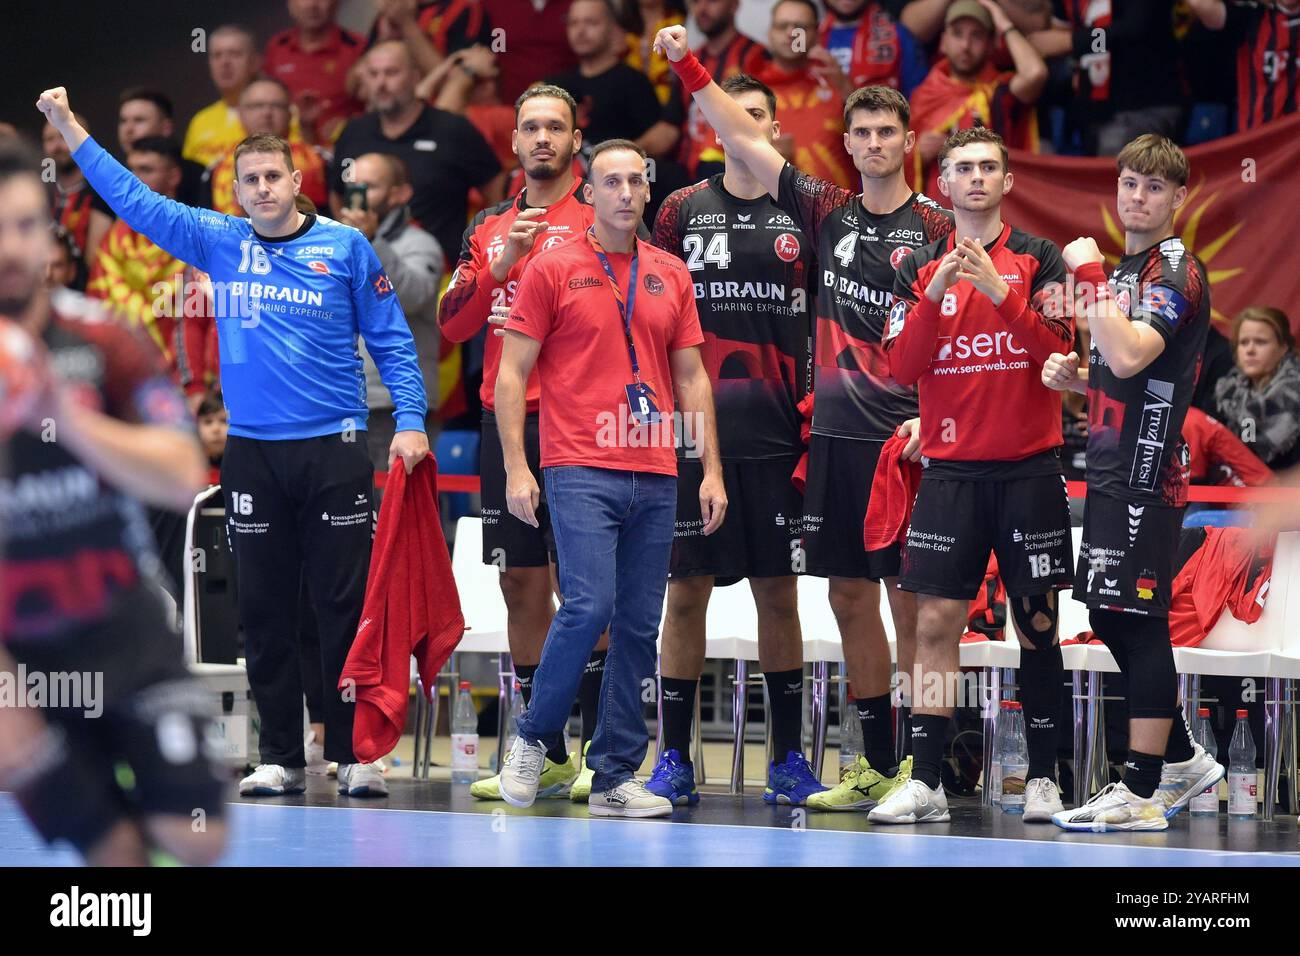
(1127, 555)
(1025, 522)
(759, 537)
(835, 499)
(507, 541)
(145, 747)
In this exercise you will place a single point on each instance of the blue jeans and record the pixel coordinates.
(613, 536)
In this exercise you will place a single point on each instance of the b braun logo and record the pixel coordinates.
(980, 345)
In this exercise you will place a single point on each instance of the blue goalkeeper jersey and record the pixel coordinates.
(288, 311)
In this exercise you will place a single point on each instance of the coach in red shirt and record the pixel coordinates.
(610, 323)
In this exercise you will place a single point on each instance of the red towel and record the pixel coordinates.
(1225, 572)
(412, 607)
(799, 478)
(893, 489)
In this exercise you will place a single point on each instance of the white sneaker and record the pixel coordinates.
(913, 802)
(1179, 782)
(272, 780)
(1042, 800)
(1115, 808)
(362, 780)
(629, 799)
(317, 766)
(521, 773)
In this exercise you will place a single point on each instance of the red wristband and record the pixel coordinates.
(692, 73)
(1091, 272)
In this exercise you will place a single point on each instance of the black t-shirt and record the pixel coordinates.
(1130, 64)
(751, 267)
(1136, 450)
(73, 542)
(445, 156)
(617, 104)
(858, 254)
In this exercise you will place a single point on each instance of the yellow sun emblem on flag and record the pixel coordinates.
(1189, 232)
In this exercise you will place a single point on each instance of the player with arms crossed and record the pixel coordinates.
(859, 240)
(977, 315)
(1149, 323)
(295, 292)
(91, 427)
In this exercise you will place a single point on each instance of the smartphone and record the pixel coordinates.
(354, 196)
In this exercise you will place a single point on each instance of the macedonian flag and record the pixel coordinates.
(1239, 216)
(134, 277)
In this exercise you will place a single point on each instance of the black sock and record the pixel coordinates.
(589, 694)
(1142, 772)
(905, 716)
(1041, 676)
(929, 733)
(524, 674)
(785, 697)
(877, 733)
(1179, 747)
(678, 698)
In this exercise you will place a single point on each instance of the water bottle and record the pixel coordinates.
(1206, 803)
(994, 783)
(850, 735)
(464, 738)
(1015, 759)
(1242, 781)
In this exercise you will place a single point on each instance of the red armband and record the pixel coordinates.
(1092, 273)
(691, 72)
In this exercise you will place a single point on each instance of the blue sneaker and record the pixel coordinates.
(791, 782)
(674, 780)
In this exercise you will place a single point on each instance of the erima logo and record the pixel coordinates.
(361, 499)
(1173, 250)
(584, 282)
(794, 688)
(1111, 582)
(1134, 522)
(871, 234)
(743, 218)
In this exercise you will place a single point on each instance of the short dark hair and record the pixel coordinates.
(609, 145)
(877, 99)
(157, 97)
(974, 134)
(263, 143)
(211, 404)
(744, 83)
(552, 92)
(164, 146)
(807, 3)
(18, 159)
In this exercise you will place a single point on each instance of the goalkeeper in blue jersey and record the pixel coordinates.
(292, 292)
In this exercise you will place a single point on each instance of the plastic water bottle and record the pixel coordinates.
(464, 737)
(850, 734)
(1206, 803)
(1014, 763)
(994, 783)
(1242, 780)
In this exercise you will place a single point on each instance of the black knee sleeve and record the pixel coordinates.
(1025, 611)
(1141, 648)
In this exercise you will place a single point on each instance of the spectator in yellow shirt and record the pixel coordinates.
(233, 61)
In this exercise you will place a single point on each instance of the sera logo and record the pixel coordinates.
(981, 345)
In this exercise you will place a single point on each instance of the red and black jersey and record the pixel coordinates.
(71, 210)
(472, 291)
(73, 542)
(741, 55)
(751, 267)
(1085, 17)
(1268, 48)
(1136, 450)
(876, 49)
(858, 254)
(978, 366)
(450, 25)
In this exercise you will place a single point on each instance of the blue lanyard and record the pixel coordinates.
(625, 303)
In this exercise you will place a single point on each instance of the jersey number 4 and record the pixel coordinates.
(715, 253)
(254, 255)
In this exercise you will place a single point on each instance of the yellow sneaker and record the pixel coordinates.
(555, 781)
(582, 786)
(861, 787)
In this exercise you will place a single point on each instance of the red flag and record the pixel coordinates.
(1238, 217)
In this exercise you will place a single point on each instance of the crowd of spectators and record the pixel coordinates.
(416, 116)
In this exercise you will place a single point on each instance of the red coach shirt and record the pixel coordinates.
(321, 74)
(565, 302)
(978, 367)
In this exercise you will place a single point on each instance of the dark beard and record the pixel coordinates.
(719, 28)
(852, 14)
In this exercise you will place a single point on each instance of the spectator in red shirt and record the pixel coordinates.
(312, 59)
(537, 42)
(1267, 37)
(610, 322)
(810, 91)
(966, 88)
(873, 45)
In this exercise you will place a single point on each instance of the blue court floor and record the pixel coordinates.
(280, 834)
